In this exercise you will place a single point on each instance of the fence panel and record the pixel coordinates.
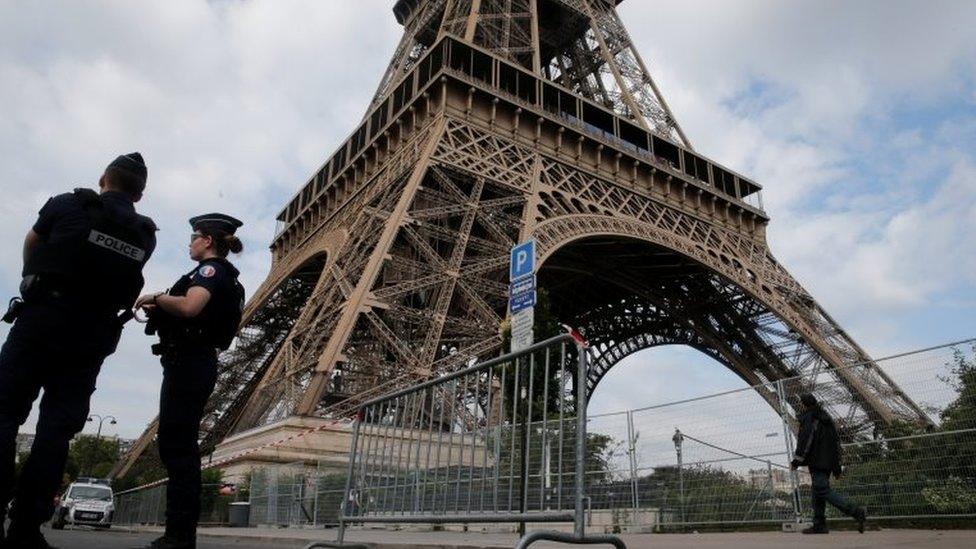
(148, 506)
(724, 459)
(493, 443)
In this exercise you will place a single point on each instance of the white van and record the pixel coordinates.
(86, 502)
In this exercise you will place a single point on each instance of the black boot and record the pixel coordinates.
(861, 516)
(816, 529)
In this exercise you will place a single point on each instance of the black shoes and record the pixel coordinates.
(860, 515)
(816, 529)
(172, 542)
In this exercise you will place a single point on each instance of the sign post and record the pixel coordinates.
(522, 294)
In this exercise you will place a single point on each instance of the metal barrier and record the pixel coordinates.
(723, 459)
(719, 460)
(503, 441)
(148, 506)
(295, 495)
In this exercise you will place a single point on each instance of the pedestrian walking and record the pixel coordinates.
(818, 448)
(195, 319)
(83, 262)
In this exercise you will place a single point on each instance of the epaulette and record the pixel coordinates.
(88, 197)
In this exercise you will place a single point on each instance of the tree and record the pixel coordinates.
(91, 457)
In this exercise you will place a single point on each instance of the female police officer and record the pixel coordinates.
(195, 319)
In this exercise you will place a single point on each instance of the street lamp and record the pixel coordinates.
(98, 437)
(678, 438)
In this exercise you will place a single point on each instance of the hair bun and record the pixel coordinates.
(234, 244)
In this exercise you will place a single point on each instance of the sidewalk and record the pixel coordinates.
(386, 539)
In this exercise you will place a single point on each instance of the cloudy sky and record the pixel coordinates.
(858, 118)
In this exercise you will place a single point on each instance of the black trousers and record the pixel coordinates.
(188, 380)
(822, 494)
(60, 349)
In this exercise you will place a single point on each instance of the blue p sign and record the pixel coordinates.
(523, 260)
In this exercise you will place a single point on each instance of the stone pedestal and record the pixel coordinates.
(325, 450)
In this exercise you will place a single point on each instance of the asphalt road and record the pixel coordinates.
(227, 538)
(90, 539)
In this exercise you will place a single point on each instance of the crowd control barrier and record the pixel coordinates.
(503, 441)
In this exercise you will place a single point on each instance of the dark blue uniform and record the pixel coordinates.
(188, 349)
(86, 268)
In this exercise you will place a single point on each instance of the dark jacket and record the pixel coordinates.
(818, 444)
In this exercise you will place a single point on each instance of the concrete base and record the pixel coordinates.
(326, 449)
(796, 527)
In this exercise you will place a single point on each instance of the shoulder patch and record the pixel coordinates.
(207, 271)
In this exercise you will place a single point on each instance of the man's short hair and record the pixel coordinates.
(124, 180)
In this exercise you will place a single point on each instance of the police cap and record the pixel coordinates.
(215, 222)
(132, 163)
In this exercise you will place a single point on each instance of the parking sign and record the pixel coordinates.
(523, 260)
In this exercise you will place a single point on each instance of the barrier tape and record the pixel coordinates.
(249, 451)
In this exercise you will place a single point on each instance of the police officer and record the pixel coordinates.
(83, 262)
(195, 319)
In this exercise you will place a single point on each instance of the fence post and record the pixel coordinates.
(788, 441)
(632, 450)
(315, 490)
(346, 494)
(273, 495)
(580, 528)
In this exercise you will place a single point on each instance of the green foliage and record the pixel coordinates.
(91, 457)
(901, 474)
(146, 469)
(600, 452)
(244, 487)
(953, 496)
(212, 504)
(704, 493)
(961, 414)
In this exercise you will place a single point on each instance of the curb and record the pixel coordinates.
(301, 542)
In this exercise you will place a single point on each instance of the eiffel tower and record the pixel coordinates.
(498, 121)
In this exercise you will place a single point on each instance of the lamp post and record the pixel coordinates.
(678, 438)
(98, 437)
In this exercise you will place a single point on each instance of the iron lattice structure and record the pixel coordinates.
(498, 121)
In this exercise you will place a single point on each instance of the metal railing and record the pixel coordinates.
(148, 506)
(503, 441)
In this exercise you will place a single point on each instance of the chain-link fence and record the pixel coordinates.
(296, 494)
(148, 506)
(724, 459)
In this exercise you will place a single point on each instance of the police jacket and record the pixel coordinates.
(818, 443)
(216, 325)
(92, 250)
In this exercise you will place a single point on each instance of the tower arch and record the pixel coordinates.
(657, 288)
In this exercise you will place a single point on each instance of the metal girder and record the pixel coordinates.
(397, 271)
